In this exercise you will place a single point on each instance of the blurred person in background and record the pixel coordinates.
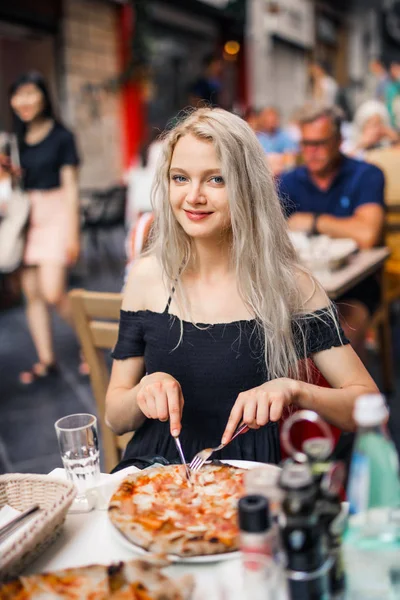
(340, 197)
(278, 145)
(393, 94)
(10, 286)
(271, 135)
(252, 117)
(324, 88)
(371, 130)
(5, 177)
(49, 162)
(378, 80)
(207, 88)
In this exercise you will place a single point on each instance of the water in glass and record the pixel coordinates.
(82, 468)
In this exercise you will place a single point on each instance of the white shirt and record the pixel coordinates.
(5, 189)
(5, 195)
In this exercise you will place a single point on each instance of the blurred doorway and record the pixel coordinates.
(289, 74)
(176, 61)
(23, 49)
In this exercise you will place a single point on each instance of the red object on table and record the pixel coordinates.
(304, 430)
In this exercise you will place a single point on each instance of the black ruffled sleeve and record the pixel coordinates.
(316, 332)
(130, 336)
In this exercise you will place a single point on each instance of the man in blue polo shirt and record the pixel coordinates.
(339, 197)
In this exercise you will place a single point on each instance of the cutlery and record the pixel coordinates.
(15, 523)
(182, 456)
(201, 457)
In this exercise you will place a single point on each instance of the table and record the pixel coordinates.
(89, 538)
(360, 266)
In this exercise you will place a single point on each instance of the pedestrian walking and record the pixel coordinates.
(49, 162)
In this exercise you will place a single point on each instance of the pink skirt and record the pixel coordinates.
(47, 235)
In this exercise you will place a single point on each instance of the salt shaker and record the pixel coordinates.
(257, 538)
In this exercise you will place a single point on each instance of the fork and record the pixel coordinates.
(201, 457)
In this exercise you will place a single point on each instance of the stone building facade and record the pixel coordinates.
(91, 60)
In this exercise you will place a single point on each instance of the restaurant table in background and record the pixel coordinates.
(363, 264)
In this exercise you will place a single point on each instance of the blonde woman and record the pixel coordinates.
(217, 314)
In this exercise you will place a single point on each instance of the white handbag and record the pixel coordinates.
(13, 223)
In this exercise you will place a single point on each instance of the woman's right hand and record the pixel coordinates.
(160, 397)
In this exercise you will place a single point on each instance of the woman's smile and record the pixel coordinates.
(197, 215)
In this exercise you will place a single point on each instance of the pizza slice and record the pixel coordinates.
(85, 583)
(133, 580)
(143, 580)
(14, 590)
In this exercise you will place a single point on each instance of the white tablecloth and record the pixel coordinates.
(89, 538)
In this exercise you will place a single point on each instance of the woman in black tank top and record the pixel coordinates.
(225, 343)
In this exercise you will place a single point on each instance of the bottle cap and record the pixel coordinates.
(254, 516)
(296, 476)
(370, 409)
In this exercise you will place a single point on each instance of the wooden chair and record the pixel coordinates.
(388, 159)
(96, 316)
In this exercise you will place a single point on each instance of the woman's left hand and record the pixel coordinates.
(262, 404)
(73, 250)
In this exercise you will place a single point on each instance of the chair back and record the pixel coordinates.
(388, 159)
(96, 317)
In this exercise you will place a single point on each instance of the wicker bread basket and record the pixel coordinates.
(21, 491)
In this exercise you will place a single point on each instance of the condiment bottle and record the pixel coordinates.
(303, 539)
(257, 539)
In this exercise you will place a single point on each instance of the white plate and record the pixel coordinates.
(243, 464)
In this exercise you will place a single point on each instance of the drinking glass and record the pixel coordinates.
(79, 447)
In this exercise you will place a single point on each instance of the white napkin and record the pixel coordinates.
(7, 513)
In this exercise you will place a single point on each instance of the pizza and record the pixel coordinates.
(14, 590)
(133, 580)
(160, 511)
(74, 584)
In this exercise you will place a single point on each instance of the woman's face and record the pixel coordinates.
(197, 191)
(28, 102)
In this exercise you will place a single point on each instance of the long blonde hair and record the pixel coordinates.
(263, 256)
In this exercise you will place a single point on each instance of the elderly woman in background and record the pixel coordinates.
(371, 130)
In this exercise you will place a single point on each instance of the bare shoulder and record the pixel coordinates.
(312, 293)
(144, 284)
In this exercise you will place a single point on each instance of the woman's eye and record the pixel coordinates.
(217, 179)
(179, 178)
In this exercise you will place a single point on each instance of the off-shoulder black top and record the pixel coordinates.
(213, 364)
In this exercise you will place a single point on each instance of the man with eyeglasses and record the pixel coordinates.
(341, 197)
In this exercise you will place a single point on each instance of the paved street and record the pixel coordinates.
(27, 413)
